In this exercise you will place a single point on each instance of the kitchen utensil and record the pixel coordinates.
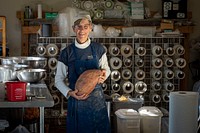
(140, 87)
(52, 50)
(34, 62)
(10, 60)
(7, 73)
(126, 50)
(31, 75)
(41, 50)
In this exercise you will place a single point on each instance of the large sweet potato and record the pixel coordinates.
(88, 80)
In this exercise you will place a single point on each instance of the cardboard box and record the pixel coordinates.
(166, 26)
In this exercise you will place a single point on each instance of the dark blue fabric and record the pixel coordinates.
(68, 56)
(89, 63)
(90, 115)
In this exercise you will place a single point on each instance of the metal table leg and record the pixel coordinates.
(41, 119)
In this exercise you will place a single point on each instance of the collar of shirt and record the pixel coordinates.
(83, 45)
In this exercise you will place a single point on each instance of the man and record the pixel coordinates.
(85, 113)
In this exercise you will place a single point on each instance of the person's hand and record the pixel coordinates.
(78, 97)
(102, 77)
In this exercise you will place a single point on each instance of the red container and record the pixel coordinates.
(16, 91)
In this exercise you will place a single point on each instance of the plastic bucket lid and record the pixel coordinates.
(150, 111)
(127, 113)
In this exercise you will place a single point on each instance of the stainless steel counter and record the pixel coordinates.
(41, 98)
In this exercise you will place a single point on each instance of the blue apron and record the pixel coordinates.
(90, 115)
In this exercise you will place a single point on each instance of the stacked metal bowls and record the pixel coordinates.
(27, 69)
(32, 62)
(9, 72)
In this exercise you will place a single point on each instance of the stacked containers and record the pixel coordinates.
(132, 103)
(128, 121)
(150, 119)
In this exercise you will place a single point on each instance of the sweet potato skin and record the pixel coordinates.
(87, 81)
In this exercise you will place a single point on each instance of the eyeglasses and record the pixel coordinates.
(85, 27)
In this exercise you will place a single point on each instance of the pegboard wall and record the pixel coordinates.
(147, 68)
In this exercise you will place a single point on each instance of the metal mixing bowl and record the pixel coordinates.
(7, 73)
(20, 67)
(34, 62)
(10, 60)
(31, 75)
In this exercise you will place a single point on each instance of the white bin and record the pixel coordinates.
(128, 121)
(150, 119)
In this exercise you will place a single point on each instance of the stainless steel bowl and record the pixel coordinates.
(31, 75)
(34, 62)
(7, 73)
(10, 60)
(20, 67)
